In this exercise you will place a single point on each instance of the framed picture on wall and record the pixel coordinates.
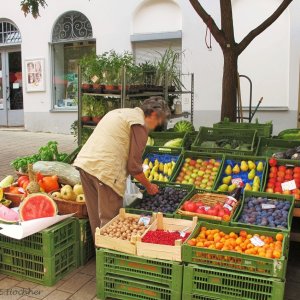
(35, 75)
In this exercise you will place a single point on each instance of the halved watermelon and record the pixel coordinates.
(36, 206)
(8, 215)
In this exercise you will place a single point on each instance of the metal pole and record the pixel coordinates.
(192, 97)
(79, 131)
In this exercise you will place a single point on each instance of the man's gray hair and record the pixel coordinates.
(158, 105)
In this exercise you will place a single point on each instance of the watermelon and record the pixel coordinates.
(8, 215)
(36, 206)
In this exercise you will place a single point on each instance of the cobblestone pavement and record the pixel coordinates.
(81, 283)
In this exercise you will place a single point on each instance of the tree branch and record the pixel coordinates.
(208, 20)
(262, 27)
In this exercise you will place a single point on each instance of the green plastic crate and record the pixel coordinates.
(235, 260)
(47, 242)
(37, 268)
(196, 155)
(168, 273)
(189, 140)
(160, 138)
(118, 287)
(247, 136)
(263, 130)
(86, 242)
(198, 297)
(239, 158)
(227, 285)
(267, 146)
(131, 208)
(238, 212)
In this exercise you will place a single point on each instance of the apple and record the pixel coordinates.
(297, 170)
(186, 177)
(195, 171)
(208, 171)
(209, 167)
(221, 213)
(215, 169)
(272, 175)
(190, 168)
(181, 174)
(210, 183)
(188, 172)
(212, 161)
(212, 178)
(191, 181)
(273, 170)
(202, 169)
(296, 175)
(197, 183)
(296, 191)
(202, 186)
(193, 163)
(277, 190)
(289, 172)
(185, 182)
(186, 165)
(269, 190)
(179, 178)
(199, 161)
(204, 163)
(197, 166)
(187, 160)
(271, 185)
(201, 173)
(217, 164)
(193, 175)
(288, 177)
(280, 174)
(204, 181)
(297, 196)
(206, 176)
(273, 180)
(280, 179)
(214, 173)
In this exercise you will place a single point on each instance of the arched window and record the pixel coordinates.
(72, 26)
(9, 34)
(72, 38)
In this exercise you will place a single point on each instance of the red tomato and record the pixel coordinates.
(297, 170)
(221, 213)
(200, 211)
(282, 168)
(270, 185)
(272, 175)
(218, 206)
(191, 206)
(289, 172)
(280, 179)
(199, 203)
(272, 162)
(226, 211)
(212, 212)
(288, 177)
(296, 175)
(278, 190)
(272, 180)
(273, 170)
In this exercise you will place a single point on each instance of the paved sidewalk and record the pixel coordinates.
(81, 283)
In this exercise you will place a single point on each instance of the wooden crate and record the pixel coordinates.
(164, 251)
(125, 246)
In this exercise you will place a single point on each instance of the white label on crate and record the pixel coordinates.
(257, 242)
(289, 185)
(237, 181)
(145, 220)
(267, 206)
(205, 207)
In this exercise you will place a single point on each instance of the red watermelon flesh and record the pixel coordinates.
(36, 206)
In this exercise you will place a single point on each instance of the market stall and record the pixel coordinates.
(219, 228)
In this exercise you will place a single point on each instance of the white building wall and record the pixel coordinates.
(272, 60)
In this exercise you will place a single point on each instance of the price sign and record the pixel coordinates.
(289, 185)
(267, 206)
(257, 242)
(237, 181)
(144, 220)
(94, 78)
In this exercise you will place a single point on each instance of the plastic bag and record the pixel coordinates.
(132, 192)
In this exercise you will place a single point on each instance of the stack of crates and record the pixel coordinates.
(44, 257)
(124, 276)
(215, 274)
(86, 242)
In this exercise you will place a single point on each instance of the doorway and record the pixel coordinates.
(11, 90)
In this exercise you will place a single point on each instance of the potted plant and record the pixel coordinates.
(98, 110)
(86, 114)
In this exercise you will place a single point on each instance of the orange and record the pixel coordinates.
(226, 218)
(202, 235)
(262, 254)
(206, 244)
(192, 242)
(232, 235)
(203, 228)
(249, 236)
(279, 237)
(210, 237)
(219, 246)
(243, 233)
(200, 244)
(239, 241)
(249, 246)
(276, 254)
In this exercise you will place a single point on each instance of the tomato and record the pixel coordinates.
(218, 206)
(199, 203)
(22, 179)
(270, 185)
(296, 175)
(191, 206)
(289, 172)
(221, 213)
(226, 211)
(272, 162)
(280, 179)
(273, 170)
(297, 170)
(282, 168)
(200, 211)
(212, 212)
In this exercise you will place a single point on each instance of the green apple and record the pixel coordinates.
(199, 161)
(187, 160)
(202, 186)
(194, 175)
(201, 173)
(191, 181)
(185, 182)
(187, 177)
(215, 169)
(195, 171)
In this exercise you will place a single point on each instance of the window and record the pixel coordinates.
(72, 39)
(9, 34)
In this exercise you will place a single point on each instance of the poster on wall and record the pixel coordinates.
(35, 75)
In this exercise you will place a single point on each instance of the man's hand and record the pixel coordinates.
(152, 189)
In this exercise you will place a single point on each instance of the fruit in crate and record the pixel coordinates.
(246, 173)
(200, 172)
(67, 193)
(164, 237)
(159, 167)
(36, 206)
(279, 174)
(242, 242)
(124, 228)
(166, 201)
(265, 212)
(8, 215)
(7, 181)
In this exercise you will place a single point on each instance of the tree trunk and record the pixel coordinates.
(229, 92)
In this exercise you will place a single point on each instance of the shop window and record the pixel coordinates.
(9, 34)
(72, 39)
